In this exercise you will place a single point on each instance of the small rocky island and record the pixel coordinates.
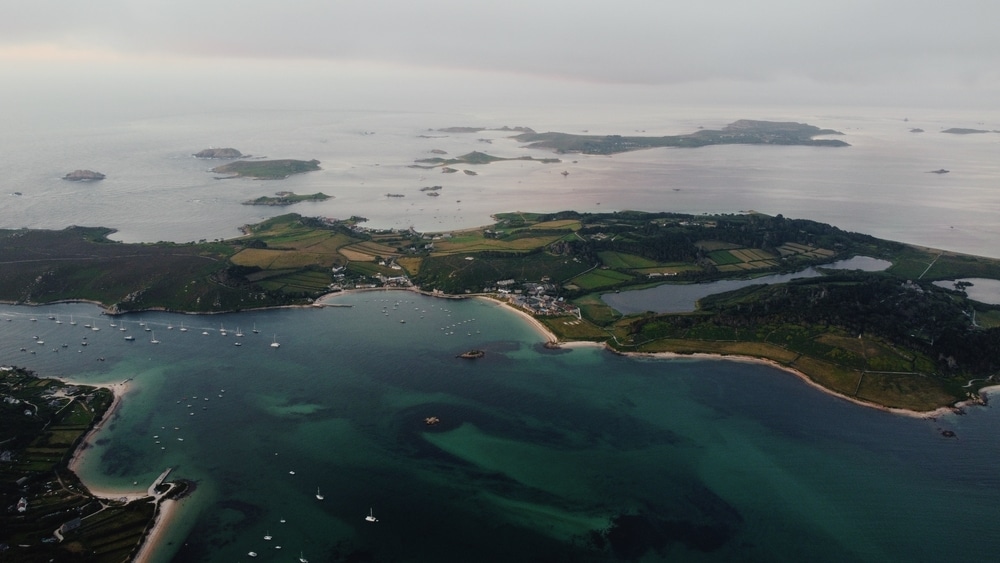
(83, 176)
(219, 153)
(286, 198)
(472, 354)
(266, 169)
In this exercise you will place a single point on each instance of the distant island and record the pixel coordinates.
(742, 132)
(939, 171)
(219, 153)
(286, 198)
(83, 176)
(480, 129)
(964, 131)
(267, 169)
(916, 130)
(474, 157)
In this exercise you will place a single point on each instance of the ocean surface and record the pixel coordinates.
(540, 455)
(155, 190)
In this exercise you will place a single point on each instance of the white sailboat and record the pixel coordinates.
(267, 536)
(222, 330)
(255, 331)
(302, 558)
(239, 332)
(274, 342)
(319, 496)
(371, 516)
(154, 340)
(71, 321)
(182, 329)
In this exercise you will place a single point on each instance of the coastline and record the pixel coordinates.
(551, 337)
(166, 509)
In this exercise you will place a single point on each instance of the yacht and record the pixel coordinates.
(130, 338)
(71, 321)
(255, 331)
(154, 340)
(239, 332)
(302, 558)
(319, 496)
(274, 342)
(371, 516)
(267, 536)
(222, 330)
(182, 329)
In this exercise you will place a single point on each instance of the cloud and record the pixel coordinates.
(652, 42)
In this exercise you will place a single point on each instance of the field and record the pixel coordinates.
(598, 279)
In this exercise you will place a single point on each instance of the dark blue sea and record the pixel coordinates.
(540, 455)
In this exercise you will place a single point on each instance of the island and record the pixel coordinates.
(286, 198)
(266, 169)
(939, 171)
(964, 131)
(472, 355)
(83, 176)
(742, 132)
(43, 426)
(891, 338)
(228, 153)
(474, 157)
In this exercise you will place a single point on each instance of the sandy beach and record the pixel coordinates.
(165, 515)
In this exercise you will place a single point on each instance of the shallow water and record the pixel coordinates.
(536, 449)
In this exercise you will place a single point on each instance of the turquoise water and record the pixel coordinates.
(538, 452)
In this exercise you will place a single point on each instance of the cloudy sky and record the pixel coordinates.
(917, 53)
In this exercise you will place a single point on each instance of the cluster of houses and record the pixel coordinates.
(536, 298)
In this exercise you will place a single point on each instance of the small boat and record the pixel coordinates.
(154, 340)
(267, 536)
(170, 327)
(252, 553)
(58, 322)
(274, 342)
(302, 558)
(222, 330)
(255, 331)
(130, 338)
(95, 328)
(371, 516)
(238, 343)
(182, 329)
(71, 321)
(239, 333)
(319, 496)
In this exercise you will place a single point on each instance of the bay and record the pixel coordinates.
(536, 449)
